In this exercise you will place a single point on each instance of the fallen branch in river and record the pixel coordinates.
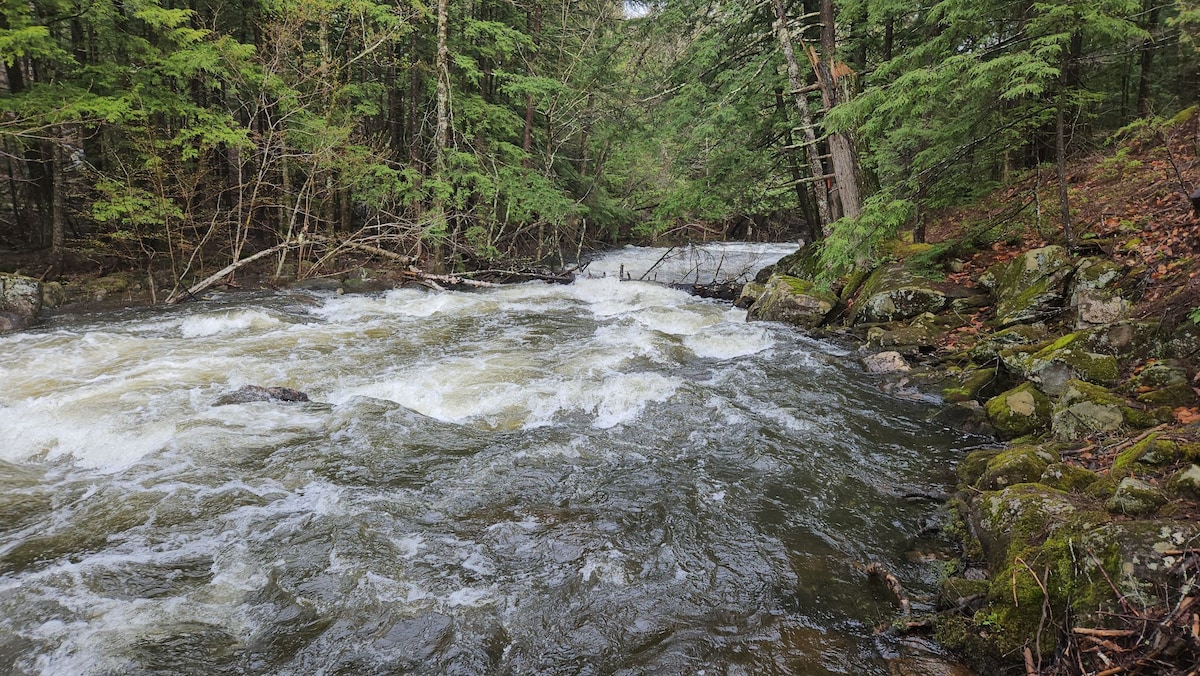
(204, 284)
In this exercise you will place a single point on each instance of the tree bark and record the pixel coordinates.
(806, 122)
(1143, 93)
(841, 147)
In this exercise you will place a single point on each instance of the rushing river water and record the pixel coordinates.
(602, 477)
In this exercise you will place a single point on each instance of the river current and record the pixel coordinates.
(601, 477)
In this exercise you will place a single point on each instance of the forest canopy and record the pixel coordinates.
(176, 137)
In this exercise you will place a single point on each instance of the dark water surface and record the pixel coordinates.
(603, 477)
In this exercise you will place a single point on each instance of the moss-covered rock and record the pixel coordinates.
(993, 344)
(1162, 384)
(793, 301)
(894, 292)
(967, 384)
(751, 292)
(1135, 497)
(1146, 456)
(1067, 477)
(1050, 366)
(1031, 286)
(1085, 409)
(974, 464)
(1128, 341)
(1016, 465)
(20, 302)
(1186, 483)
(1020, 411)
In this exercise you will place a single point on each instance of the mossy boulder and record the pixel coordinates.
(1085, 409)
(1067, 477)
(967, 384)
(794, 301)
(1020, 411)
(20, 302)
(974, 464)
(990, 347)
(1031, 286)
(1052, 365)
(894, 293)
(1094, 293)
(1135, 497)
(1128, 341)
(918, 336)
(1046, 548)
(1162, 384)
(751, 291)
(803, 263)
(1186, 483)
(1146, 456)
(1016, 465)
(967, 417)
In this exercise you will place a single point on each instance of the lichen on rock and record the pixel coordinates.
(1020, 411)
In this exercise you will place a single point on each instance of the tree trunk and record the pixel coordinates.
(1143, 93)
(1064, 202)
(841, 147)
(806, 122)
(803, 197)
(441, 135)
(58, 217)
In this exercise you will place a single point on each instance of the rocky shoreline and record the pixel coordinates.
(1078, 537)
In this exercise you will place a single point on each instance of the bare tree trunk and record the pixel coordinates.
(1151, 7)
(58, 216)
(806, 122)
(841, 147)
(441, 134)
(1064, 202)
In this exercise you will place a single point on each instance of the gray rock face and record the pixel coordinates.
(251, 393)
(893, 293)
(886, 362)
(20, 302)
(793, 301)
(1030, 287)
(1135, 496)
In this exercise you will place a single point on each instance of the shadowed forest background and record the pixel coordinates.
(174, 138)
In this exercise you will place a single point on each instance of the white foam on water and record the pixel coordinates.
(730, 342)
(198, 326)
(722, 260)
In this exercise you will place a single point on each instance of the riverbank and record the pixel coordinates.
(1078, 533)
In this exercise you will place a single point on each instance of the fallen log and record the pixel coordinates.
(204, 284)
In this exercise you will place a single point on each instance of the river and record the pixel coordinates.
(602, 477)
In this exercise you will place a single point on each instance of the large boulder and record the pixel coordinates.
(1085, 409)
(893, 293)
(1020, 411)
(794, 301)
(1094, 294)
(1016, 465)
(1162, 384)
(1049, 549)
(1053, 365)
(1030, 287)
(20, 302)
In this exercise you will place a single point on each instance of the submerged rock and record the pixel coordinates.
(792, 301)
(251, 393)
(20, 302)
